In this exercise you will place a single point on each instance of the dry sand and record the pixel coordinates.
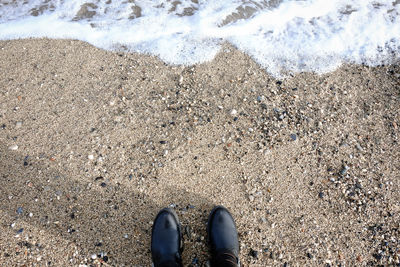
(94, 143)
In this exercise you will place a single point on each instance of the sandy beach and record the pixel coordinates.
(94, 143)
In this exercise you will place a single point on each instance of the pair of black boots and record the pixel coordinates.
(167, 247)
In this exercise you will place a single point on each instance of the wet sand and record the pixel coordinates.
(94, 143)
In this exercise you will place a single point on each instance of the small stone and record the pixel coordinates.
(251, 198)
(126, 236)
(309, 255)
(344, 170)
(20, 210)
(91, 157)
(260, 98)
(267, 151)
(103, 184)
(93, 256)
(195, 261)
(272, 255)
(20, 230)
(254, 253)
(233, 112)
(321, 195)
(18, 124)
(359, 258)
(293, 137)
(358, 146)
(13, 147)
(163, 142)
(105, 258)
(377, 256)
(188, 231)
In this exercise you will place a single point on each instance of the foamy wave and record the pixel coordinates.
(282, 36)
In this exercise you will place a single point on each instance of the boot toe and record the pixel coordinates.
(222, 232)
(166, 238)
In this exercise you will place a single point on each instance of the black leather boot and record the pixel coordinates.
(223, 238)
(166, 244)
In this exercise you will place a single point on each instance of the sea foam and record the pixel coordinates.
(284, 37)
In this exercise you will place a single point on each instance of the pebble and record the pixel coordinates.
(344, 170)
(18, 124)
(93, 256)
(13, 147)
(26, 163)
(195, 261)
(321, 195)
(20, 210)
(91, 157)
(293, 137)
(254, 253)
(233, 112)
(188, 231)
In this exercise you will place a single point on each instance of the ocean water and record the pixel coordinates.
(283, 36)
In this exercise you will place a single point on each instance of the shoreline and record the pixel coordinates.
(93, 143)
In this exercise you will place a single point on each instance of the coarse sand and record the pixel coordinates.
(94, 143)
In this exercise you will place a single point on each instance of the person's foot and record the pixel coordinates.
(166, 244)
(223, 238)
